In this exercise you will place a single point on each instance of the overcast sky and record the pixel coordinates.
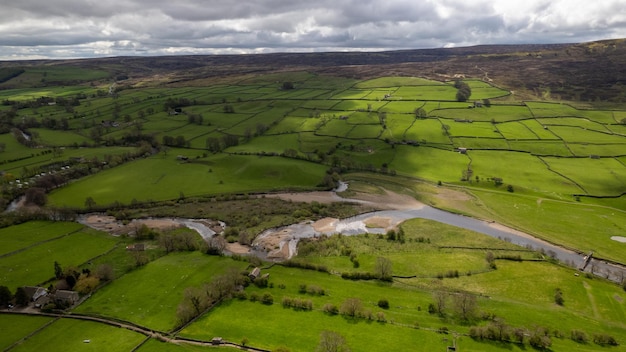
(31, 29)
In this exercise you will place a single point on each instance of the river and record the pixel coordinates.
(357, 225)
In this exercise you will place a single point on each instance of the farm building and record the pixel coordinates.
(35, 292)
(136, 247)
(254, 273)
(66, 297)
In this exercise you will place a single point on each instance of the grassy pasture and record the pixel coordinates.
(32, 157)
(288, 124)
(363, 118)
(35, 265)
(618, 129)
(575, 122)
(476, 129)
(59, 138)
(434, 92)
(52, 91)
(497, 113)
(320, 104)
(133, 296)
(553, 219)
(310, 143)
(336, 127)
(515, 130)
(580, 135)
(365, 132)
(12, 149)
(583, 149)
(366, 153)
(269, 144)
(163, 177)
(541, 147)
(511, 286)
(405, 107)
(426, 163)
(362, 105)
(397, 125)
(31, 233)
(519, 169)
(384, 82)
(541, 109)
(481, 143)
(608, 176)
(69, 334)
(541, 131)
(15, 327)
(427, 131)
(350, 94)
(233, 321)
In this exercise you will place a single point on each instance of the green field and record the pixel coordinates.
(164, 177)
(35, 265)
(134, 298)
(555, 170)
(70, 334)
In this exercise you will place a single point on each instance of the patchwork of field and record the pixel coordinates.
(550, 169)
(330, 121)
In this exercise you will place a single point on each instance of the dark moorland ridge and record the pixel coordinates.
(594, 71)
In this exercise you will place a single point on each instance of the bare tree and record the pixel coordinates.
(465, 306)
(351, 307)
(383, 268)
(331, 341)
(441, 301)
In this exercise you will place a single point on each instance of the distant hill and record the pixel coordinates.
(594, 71)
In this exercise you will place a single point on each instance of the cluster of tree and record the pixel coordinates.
(228, 109)
(293, 263)
(287, 86)
(311, 289)
(178, 141)
(463, 304)
(172, 103)
(179, 240)
(463, 90)
(393, 235)
(297, 303)
(8, 73)
(198, 299)
(498, 330)
(266, 298)
(331, 341)
(44, 101)
(197, 119)
(420, 113)
(83, 281)
(216, 145)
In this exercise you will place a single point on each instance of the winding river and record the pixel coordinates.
(357, 225)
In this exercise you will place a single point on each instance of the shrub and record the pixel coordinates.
(267, 298)
(380, 317)
(315, 290)
(604, 340)
(330, 308)
(579, 336)
(383, 303)
(558, 297)
(254, 297)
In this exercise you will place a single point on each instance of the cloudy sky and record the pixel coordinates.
(31, 29)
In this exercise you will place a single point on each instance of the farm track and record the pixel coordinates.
(153, 334)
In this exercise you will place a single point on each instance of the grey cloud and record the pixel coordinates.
(69, 28)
